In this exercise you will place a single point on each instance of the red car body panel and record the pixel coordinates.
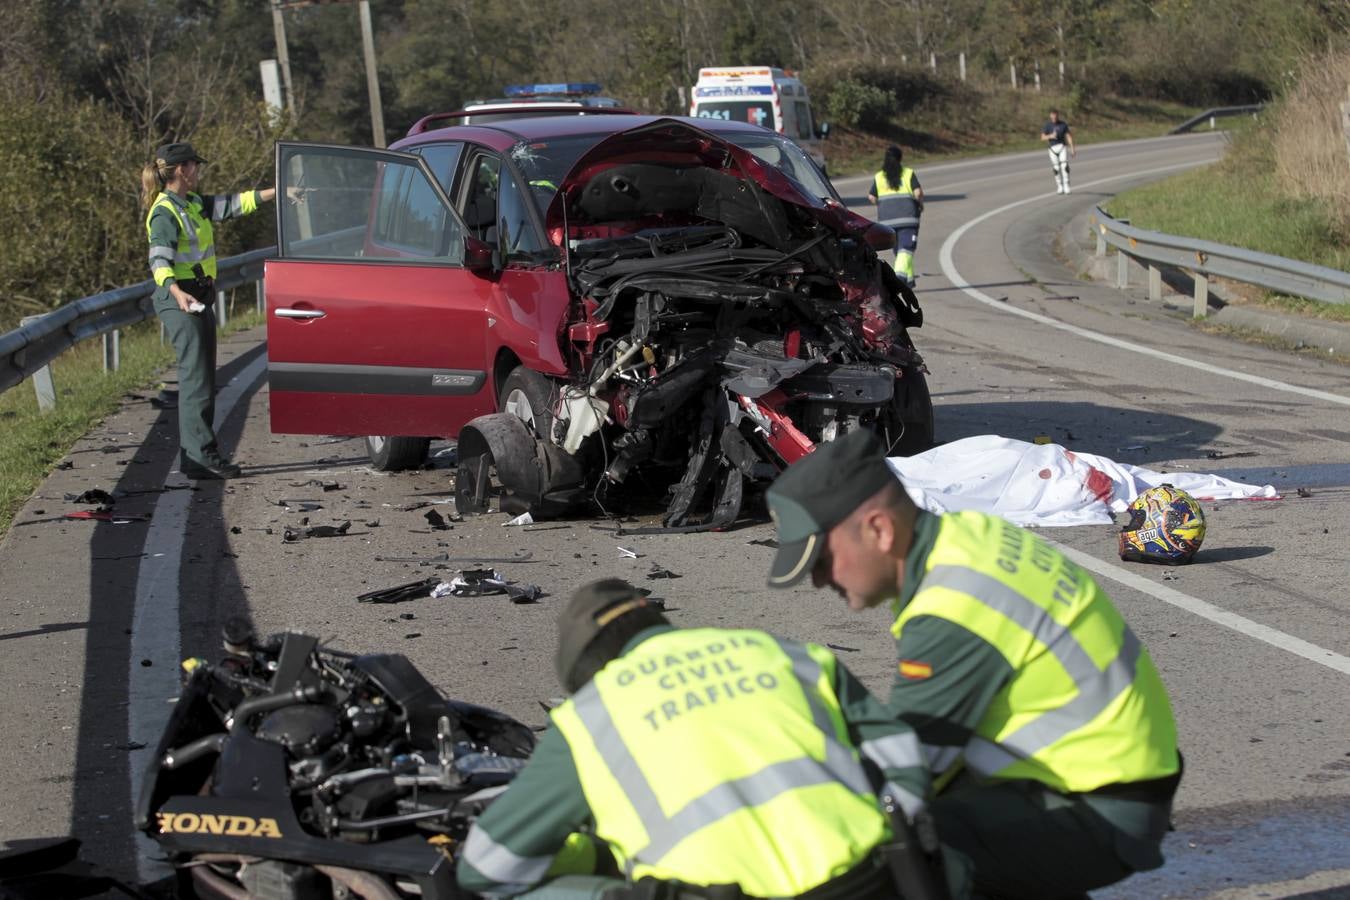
(527, 315)
(430, 319)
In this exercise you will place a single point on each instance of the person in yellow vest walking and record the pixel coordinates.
(183, 265)
(898, 198)
(1047, 727)
(709, 763)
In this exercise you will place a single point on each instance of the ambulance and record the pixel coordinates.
(766, 96)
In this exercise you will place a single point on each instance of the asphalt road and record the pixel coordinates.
(1251, 640)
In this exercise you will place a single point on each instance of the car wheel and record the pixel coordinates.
(529, 396)
(913, 411)
(391, 454)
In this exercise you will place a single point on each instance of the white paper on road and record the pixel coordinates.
(1044, 484)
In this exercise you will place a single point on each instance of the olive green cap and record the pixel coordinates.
(819, 491)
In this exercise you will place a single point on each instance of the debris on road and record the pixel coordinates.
(487, 582)
(523, 556)
(104, 515)
(765, 542)
(1304, 492)
(629, 554)
(659, 572)
(326, 486)
(303, 506)
(1042, 439)
(65, 464)
(413, 590)
(1221, 454)
(93, 497)
(523, 519)
(437, 521)
(291, 535)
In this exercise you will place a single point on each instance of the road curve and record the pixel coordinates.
(97, 615)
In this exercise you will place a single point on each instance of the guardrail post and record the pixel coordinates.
(1211, 123)
(1154, 283)
(112, 351)
(259, 296)
(1122, 269)
(1101, 242)
(1201, 307)
(222, 310)
(43, 385)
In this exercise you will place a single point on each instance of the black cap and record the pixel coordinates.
(173, 154)
(819, 491)
(588, 611)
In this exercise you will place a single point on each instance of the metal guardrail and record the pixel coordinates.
(1217, 112)
(27, 350)
(1206, 258)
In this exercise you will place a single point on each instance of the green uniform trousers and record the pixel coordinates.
(1023, 840)
(193, 336)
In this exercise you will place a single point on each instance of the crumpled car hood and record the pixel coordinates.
(675, 145)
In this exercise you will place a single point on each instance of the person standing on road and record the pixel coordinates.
(1060, 137)
(183, 264)
(1047, 727)
(711, 763)
(898, 198)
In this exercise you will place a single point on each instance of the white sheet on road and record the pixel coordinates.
(1044, 484)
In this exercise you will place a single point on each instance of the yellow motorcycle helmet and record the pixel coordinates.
(1166, 526)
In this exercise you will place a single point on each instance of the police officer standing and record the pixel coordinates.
(1047, 727)
(183, 264)
(712, 763)
(1059, 136)
(899, 200)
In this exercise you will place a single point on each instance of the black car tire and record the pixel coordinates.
(528, 396)
(913, 407)
(393, 454)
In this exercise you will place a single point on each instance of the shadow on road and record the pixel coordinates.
(1136, 436)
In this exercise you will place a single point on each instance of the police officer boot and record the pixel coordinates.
(213, 470)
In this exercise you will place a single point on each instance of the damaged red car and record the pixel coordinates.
(594, 308)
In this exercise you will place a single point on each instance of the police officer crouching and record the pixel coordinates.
(709, 763)
(1046, 724)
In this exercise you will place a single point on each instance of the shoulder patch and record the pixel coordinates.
(915, 670)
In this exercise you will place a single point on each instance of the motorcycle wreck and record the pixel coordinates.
(725, 321)
(290, 770)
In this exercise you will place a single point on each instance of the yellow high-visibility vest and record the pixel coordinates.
(897, 206)
(1085, 706)
(714, 756)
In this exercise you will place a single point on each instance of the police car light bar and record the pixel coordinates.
(571, 88)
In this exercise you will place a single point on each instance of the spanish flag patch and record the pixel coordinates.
(915, 670)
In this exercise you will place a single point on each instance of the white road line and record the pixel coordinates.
(949, 270)
(155, 625)
(1206, 610)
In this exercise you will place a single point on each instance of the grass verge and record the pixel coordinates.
(1241, 201)
(32, 442)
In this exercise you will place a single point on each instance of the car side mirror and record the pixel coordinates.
(823, 132)
(879, 237)
(479, 255)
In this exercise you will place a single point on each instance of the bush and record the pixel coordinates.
(906, 88)
(856, 105)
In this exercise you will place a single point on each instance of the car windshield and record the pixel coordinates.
(545, 163)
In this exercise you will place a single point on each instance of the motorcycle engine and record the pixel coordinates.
(303, 730)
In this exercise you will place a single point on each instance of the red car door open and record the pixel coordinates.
(375, 324)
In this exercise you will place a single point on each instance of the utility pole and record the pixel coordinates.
(283, 55)
(372, 75)
(367, 46)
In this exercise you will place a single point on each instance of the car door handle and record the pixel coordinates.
(288, 313)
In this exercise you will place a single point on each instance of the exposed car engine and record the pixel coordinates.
(721, 332)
